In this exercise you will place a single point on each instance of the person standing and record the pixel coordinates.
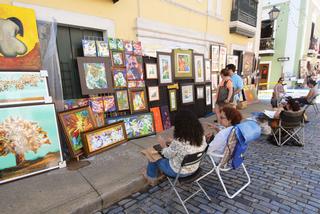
(236, 81)
(278, 93)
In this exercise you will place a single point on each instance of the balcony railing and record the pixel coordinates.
(266, 44)
(244, 17)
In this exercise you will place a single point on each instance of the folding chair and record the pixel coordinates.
(187, 161)
(314, 104)
(223, 164)
(290, 125)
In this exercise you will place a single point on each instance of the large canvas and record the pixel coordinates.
(89, 48)
(122, 100)
(157, 119)
(134, 67)
(138, 100)
(102, 48)
(198, 60)
(215, 58)
(222, 57)
(164, 68)
(165, 117)
(29, 141)
(22, 88)
(187, 94)
(74, 122)
(138, 125)
(19, 46)
(101, 139)
(183, 64)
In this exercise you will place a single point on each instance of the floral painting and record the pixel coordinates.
(138, 100)
(75, 103)
(89, 48)
(134, 67)
(74, 122)
(187, 94)
(95, 75)
(29, 141)
(120, 78)
(137, 47)
(113, 43)
(19, 46)
(109, 103)
(138, 125)
(183, 64)
(215, 58)
(122, 100)
(102, 49)
(117, 58)
(157, 119)
(173, 100)
(164, 68)
(198, 68)
(153, 92)
(100, 139)
(128, 48)
(151, 71)
(165, 117)
(22, 87)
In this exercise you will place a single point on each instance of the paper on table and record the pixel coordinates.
(270, 114)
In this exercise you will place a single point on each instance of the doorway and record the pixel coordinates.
(264, 69)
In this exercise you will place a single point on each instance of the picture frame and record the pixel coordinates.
(200, 92)
(128, 48)
(183, 64)
(75, 103)
(222, 57)
(207, 70)
(248, 63)
(215, 53)
(157, 118)
(109, 103)
(165, 115)
(137, 47)
(137, 125)
(120, 45)
(119, 78)
(151, 71)
(102, 49)
(165, 73)
(112, 43)
(153, 93)
(215, 81)
(187, 93)
(122, 100)
(233, 59)
(138, 100)
(117, 58)
(134, 67)
(89, 48)
(208, 95)
(173, 99)
(74, 122)
(95, 75)
(101, 139)
(199, 72)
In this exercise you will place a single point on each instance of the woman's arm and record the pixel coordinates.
(171, 151)
(277, 114)
(230, 89)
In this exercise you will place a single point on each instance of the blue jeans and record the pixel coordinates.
(162, 165)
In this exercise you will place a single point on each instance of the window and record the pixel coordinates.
(266, 29)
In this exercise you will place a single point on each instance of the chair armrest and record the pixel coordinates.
(215, 155)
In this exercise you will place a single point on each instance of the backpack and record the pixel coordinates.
(223, 93)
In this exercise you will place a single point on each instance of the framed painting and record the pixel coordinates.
(109, 103)
(173, 100)
(119, 78)
(208, 95)
(117, 58)
(138, 100)
(112, 43)
(214, 82)
(19, 46)
(120, 45)
(102, 49)
(165, 117)
(153, 93)
(233, 59)
(157, 119)
(183, 64)
(128, 48)
(198, 60)
(122, 100)
(207, 70)
(29, 141)
(200, 92)
(247, 65)
(100, 139)
(95, 76)
(138, 125)
(75, 103)
(222, 57)
(96, 104)
(187, 93)
(151, 71)
(164, 68)
(137, 47)
(215, 58)
(89, 48)
(134, 67)
(23, 87)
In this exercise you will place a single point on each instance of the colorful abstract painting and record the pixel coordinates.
(183, 64)
(89, 48)
(120, 45)
(102, 49)
(22, 87)
(120, 78)
(29, 141)
(19, 46)
(96, 104)
(138, 101)
(122, 100)
(134, 67)
(165, 117)
(128, 48)
(164, 68)
(95, 75)
(113, 44)
(75, 103)
(109, 103)
(138, 125)
(157, 119)
(137, 47)
(74, 122)
(117, 58)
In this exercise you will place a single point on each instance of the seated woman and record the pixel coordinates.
(229, 118)
(188, 139)
(313, 92)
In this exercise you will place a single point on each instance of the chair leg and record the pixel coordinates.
(177, 193)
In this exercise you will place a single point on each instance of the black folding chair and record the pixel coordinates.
(314, 104)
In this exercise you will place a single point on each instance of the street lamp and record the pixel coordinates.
(274, 13)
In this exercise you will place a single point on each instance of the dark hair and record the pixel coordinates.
(232, 114)
(312, 82)
(231, 67)
(224, 72)
(187, 127)
(280, 79)
(294, 105)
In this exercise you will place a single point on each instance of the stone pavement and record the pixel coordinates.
(284, 180)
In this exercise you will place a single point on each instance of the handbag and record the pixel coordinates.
(223, 93)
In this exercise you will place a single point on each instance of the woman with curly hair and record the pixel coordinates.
(188, 139)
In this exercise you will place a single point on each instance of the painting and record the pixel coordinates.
(138, 125)
(119, 78)
(173, 100)
(187, 94)
(122, 100)
(200, 92)
(250, 94)
(138, 100)
(22, 88)
(207, 69)
(95, 76)
(120, 45)
(157, 119)
(98, 140)
(74, 122)
(29, 141)
(117, 58)
(89, 48)
(248, 61)
(102, 49)
(233, 59)
(128, 48)
(165, 117)
(164, 68)
(134, 67)
(215, 58)
(183, 64)
(151, 71)
(96, 104)
(75, 103)
(198, 60)
(222, 57)
(109, 103)
(214, 82)
(208, 95)
(112, 43)
(153, 92)
(137, 47)
(19, 46)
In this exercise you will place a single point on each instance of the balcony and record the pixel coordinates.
(266, 46)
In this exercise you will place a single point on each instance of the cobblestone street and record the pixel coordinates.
(284, 180)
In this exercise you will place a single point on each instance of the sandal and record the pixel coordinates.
(152, 182)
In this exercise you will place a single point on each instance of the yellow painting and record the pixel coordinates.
(19, 42)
